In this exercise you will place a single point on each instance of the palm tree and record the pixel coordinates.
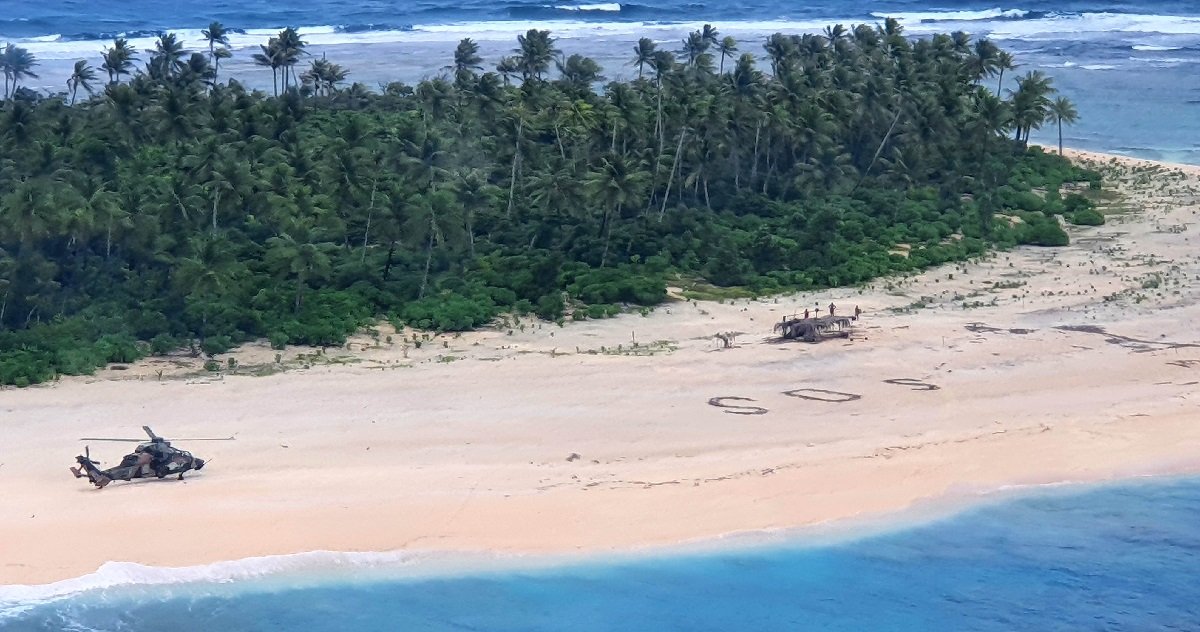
(167, 57)
(508, 67)
(291, 47)
(301, 258)
(984, 62)
(83, 75)
(466, 60)
(616, 185)
(643, 54)
(118, 60)
(535, 51)
(16, 63)
(1031, 103)
(727, 47)
(1062, 111)
(1004, 61)
(694, 46)
(271, 56)
(324, 76)
(215, 34)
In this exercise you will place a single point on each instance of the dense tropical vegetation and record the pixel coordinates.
(170, 210)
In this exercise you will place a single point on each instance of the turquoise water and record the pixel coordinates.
(1117, 557)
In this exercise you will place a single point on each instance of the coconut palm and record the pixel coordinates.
(1062, 110)
(82, 76)
(216, 34)
(535, 51)
(643, 54)
(167, 58)
(291, 48)
(323, 75)
(1030, 103)
(727, 47)
(1004, 61)
(466, 60)
(271, 56)
(118, 60)
(16, 63)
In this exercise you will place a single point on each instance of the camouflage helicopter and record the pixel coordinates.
(154, 458)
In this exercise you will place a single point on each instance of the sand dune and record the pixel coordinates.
(1037, 365)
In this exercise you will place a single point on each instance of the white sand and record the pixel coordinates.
(402, 449)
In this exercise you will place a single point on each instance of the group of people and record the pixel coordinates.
(816, 313)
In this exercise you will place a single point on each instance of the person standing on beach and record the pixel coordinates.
(831, 308)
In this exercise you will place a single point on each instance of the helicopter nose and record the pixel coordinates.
(199, 464)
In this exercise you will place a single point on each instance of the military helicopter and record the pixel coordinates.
(154, 458)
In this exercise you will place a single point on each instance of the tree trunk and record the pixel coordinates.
(216, 201)
(512, 178)
(367, 231)
(1060, 147)
(428, 261)
(299, 291)
(471, 233)
(387, 264)
(754, 165)
(608, 235)
(671, 176)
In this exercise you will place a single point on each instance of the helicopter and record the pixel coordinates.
(154, 458)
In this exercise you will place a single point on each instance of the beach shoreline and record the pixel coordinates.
(1029, 367)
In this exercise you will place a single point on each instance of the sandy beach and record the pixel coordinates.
(1032, 366)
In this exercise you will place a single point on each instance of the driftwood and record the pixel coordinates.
(814, 329)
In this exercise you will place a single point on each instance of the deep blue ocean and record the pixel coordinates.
(1132, 67)
(1116, 557)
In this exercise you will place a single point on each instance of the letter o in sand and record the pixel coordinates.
(822, 395)
(719, 402)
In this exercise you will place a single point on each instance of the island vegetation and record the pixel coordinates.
(155, 206)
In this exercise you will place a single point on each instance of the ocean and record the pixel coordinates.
(1131, 67)
(1122, 556)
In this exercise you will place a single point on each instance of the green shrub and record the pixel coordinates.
(278, 339)
(215, 345)
(1087, 217)
(162, 344)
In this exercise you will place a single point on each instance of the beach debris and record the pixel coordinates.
(727, 338)
(574, 456)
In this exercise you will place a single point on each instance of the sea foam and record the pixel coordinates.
(953, 16)
(607, 6)
(313, 565)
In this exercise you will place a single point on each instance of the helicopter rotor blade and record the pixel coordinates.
(106, 439)
(209, 439)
